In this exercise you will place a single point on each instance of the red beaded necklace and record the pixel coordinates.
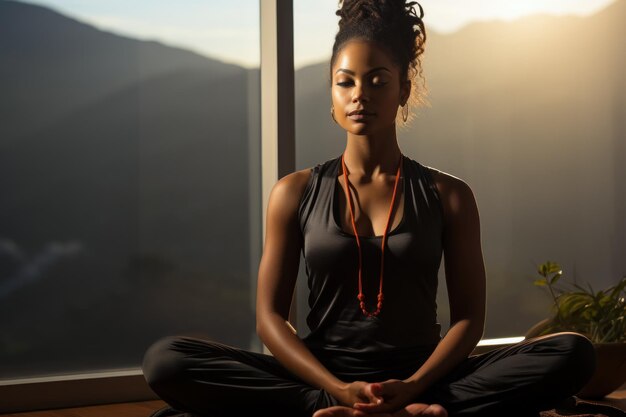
(361, 296)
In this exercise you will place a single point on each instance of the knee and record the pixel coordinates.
(162, 362)
(578, 357)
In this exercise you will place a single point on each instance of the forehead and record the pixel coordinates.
(360, 56)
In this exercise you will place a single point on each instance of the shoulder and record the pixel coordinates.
(455, 194)
(293, 184)
(288, 190)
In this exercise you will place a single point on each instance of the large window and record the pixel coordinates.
(129, 179)
(129, 163)
(528, 109)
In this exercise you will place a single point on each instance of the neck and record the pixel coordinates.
(372, 155)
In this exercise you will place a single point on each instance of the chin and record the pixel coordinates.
(362, 130)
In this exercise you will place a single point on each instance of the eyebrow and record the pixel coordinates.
(368, 72)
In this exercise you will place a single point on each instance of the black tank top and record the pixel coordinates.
(408, 319)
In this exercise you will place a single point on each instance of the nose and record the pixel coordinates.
(359, 93)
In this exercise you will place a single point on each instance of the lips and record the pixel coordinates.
(360, 111)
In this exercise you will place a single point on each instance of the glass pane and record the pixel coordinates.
(129, 193)
(529, 113)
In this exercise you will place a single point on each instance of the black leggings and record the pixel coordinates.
(214, 380)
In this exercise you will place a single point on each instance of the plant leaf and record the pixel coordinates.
(553, 267)
(556, 277)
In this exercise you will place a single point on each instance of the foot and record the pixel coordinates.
(336, 411)
(417, 409)
(411, 410)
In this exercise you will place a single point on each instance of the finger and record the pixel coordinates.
(377, 388)
(375, 392)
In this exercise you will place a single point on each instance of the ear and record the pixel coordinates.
(405, 92)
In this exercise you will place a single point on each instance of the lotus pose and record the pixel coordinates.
(372, 225)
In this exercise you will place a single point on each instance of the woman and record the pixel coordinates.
(372, 224)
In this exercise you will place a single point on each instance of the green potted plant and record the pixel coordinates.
(599, 315)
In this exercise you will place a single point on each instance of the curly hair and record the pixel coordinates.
(396, 26)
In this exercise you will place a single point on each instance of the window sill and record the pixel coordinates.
(29, 394)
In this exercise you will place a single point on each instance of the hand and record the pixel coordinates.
(396, 395)
(357, 392)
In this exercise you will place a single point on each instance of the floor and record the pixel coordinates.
(143, 409)
(616, 399)
(140, 409)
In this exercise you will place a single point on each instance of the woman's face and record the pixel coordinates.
(365, 78)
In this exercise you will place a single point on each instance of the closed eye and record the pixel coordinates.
(347, 83)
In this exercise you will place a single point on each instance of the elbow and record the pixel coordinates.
(474, 327)
(264, 319)
(260, 329)
(264, 325)
(480, 331)
(478, 321)
(270, 326)
(477, 324)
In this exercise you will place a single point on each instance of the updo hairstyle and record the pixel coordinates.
(396, 26)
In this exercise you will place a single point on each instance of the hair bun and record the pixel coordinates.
(387, 13)
(396, 24)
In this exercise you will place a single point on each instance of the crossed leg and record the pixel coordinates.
(527, 377)
(205, 378)
(532, 375)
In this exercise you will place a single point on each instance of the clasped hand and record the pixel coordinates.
(378, 397)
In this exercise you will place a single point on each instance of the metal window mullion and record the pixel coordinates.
(277, 101)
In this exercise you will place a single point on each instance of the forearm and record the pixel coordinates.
(458, 343)
(289, 350)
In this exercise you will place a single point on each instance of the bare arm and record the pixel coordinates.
(276, 281)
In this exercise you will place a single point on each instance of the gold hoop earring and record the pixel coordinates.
(405, 112)
(332, 113)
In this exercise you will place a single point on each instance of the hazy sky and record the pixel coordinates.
(229, 30)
